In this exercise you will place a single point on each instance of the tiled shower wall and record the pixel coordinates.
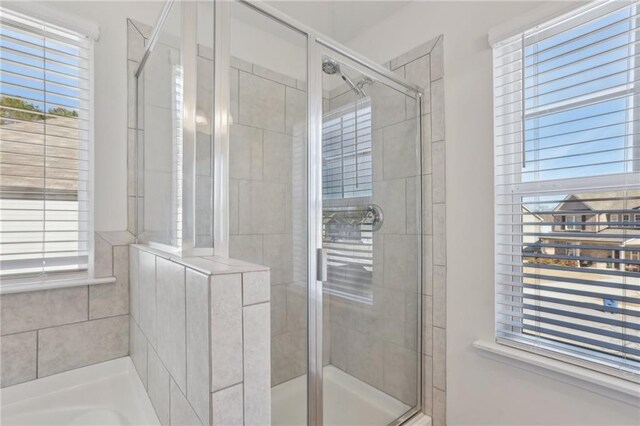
(424, 66)
(377, 342)
(50, 331)
(267, 220)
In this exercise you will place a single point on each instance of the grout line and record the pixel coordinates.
(37, 352)
(227, 387)
(244, 388)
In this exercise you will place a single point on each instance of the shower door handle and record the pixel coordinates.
(321, 263)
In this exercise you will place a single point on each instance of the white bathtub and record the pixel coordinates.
(109, 393)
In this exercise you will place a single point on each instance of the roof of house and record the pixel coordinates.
(604, 201)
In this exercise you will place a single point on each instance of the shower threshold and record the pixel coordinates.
(347, 402)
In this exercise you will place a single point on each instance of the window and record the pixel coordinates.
(572, 223)
(45, 128)
(567, 150)
(347, 187)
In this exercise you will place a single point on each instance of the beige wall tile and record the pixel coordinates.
(247, 248)
(226, 331)
(390, 196)
(18, 358)
(427, 162)
(277, 154)
(427, 202)
(437, 110)
(72, 346)
(257, 378)
(261, 103)
(278, 309)
(147, 288)
(159, 388)
(419, 72)
(427, 264)
(245, 152)
(296, 307)
(439, 408)
(103, 258)
(400, 149)
(296, 118)
(134, 283)
(40, 309)
(288, 356)
(439, 358)
(439, 296)
(227, 406)
(181, 412)
(255, 287)
(365, 358)
(401, 262)
(400, 373)
(427, 325)
(439, 183)
(107, 300)
(439, 235)
(437, 61)
(278, 256)
(197, 300)
(135, 42)
(171, 319)
(427, 385)
(138, 350)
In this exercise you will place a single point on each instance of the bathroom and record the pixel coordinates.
(319, 212)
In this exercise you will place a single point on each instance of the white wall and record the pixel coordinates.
(479, 391)
(110, 100)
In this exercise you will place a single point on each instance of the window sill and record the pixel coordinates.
(603, 384)
(27, 285)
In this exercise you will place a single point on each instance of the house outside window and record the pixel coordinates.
(45, 150)
(566, 151)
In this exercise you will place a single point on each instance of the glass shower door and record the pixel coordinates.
(371, 240)
(268, 186)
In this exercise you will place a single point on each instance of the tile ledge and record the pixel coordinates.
(594, 381)
(25, 285)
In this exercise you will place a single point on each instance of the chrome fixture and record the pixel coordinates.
(331, 67)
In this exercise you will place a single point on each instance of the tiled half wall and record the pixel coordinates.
(200, 338)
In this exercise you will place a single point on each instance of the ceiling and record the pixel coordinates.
(340, 20)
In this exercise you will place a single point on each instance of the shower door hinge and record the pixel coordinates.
(321, 263)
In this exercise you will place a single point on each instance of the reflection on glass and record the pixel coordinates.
(370, 177)
(581, 281)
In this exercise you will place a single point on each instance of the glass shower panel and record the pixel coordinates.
(160, 120)
(371, 237)
(267, 187)
(204, 126)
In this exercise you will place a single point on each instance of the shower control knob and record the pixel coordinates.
(374, 212)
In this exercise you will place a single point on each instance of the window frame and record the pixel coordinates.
(522, 189)
(33, 281)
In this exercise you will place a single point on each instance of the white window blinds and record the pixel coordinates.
(347, 186)
(567, 164)
(44, 147)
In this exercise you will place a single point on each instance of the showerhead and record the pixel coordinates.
(330, 66)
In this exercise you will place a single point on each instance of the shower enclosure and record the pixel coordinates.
(262, 140)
